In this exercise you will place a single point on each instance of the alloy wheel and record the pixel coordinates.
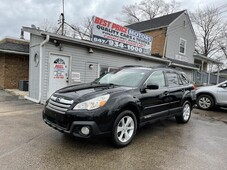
(125, 129)
(186, 112)
(204, 102)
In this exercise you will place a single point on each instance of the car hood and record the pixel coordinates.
(87, 91)
(206, 88)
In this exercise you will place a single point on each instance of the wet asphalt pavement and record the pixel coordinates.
(26, 142)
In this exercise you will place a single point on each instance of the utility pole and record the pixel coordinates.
(63, 18)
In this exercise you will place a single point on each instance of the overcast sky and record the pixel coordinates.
(14, 14)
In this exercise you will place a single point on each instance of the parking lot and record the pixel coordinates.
(26, 142)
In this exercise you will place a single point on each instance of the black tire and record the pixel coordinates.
(186, 113)
(205, 102)
(117, 139)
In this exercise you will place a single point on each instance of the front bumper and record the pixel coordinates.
(75, 128)
(71, 122)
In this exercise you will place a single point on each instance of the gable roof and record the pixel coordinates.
(15, 45)
(158, 22)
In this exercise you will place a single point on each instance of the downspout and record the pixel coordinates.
(41, 65)
(164, 49)
(218, 74)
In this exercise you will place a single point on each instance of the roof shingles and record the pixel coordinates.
(158, 22)
(14, 45)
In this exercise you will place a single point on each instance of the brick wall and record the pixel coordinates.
(2, 70)
(158, 41)
(16, 68)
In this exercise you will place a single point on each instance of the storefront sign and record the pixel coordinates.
(114, 35)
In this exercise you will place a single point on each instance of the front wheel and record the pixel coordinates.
(124, 128)
(186, 113)
(205, 102)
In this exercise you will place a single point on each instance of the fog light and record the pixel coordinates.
(85, 130)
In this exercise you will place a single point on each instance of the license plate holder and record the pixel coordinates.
(56, 116)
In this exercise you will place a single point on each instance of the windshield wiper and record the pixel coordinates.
(95, 82)
(111, 84)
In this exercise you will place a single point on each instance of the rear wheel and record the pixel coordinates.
(186, 113)
(205, 102)
(124, 128)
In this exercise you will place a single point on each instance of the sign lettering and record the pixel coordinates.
(117, 36)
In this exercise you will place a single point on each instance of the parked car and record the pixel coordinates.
(212, 96)
(120, 102)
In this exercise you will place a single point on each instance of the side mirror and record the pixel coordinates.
(223, 85)
(152, 86)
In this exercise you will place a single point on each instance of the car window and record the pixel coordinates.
(157, 78)
(173, 79)
(184, 79)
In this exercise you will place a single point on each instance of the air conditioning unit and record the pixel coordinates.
(23, 85)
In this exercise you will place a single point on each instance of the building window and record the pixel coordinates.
(103, 70)
(184, 24)
(182, 46)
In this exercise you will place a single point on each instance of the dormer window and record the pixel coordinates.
(182, 46)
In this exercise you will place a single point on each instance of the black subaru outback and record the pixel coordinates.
(120, 102)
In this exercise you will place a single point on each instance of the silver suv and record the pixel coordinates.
(211, 96)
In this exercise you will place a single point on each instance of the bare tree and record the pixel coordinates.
(171, 7)
(84, 29)
(48, 26)
(151, 8)
(81, 31)
(222, 41)
(131, 14)
(147, 9)
(209, 28)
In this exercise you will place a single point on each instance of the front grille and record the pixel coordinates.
(58, 104)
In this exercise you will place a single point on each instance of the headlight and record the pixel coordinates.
(92, 103)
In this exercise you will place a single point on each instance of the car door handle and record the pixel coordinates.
(166, 93)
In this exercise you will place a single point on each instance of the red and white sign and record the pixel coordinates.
(59, 70)
(114, 35)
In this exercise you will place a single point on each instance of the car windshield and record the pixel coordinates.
(124, 77)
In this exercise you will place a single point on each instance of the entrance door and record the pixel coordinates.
(58, 73)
